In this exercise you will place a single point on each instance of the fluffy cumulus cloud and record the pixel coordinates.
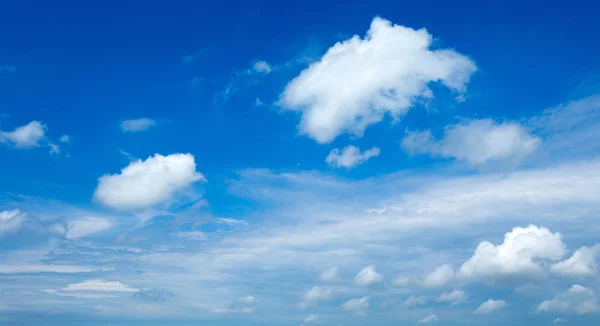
(10, 220)
(413, 301)
(357, 306)
(350, 156)
(428, 319)
(144, 184)
(476, 142)
(454, 297)
(136, 125)
(317, 294)
(489, 307)
(518, 257)
(86, 226)
(311, 318)
(578, 300)
(368, 276)
(25, 136)
(330, 275)
(360, 80)
(581, 263)
(439, 277)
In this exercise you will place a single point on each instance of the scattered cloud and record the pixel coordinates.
(136, 125)
(401, 281)
(261, 67)
(100, 285)
(413, 301)
(10, 221)
(454, 297)
(40, 268)
(439, 277)
(187, 59)
(25, 136)
(428, 319)
(65, 139)
(349, 157)
(582, 263)
(143, 184)
(87, 226)
(559, 321)
(153, 295)
(330, 275)
(311, 318)
(578, 299)
(368, 276)
(477, 142)
(489, 307)
(357, 306)
(358, 81)
(317, 294)
(517, 257)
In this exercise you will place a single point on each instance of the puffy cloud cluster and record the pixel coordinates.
(489, 307)
(144, 184)
(350, 156)
(578, 299)
(360, 80)
(368, 276)
(357, 306)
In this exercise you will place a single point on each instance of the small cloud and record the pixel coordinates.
(330, 275)
(311, 318)
(358, 306)
(368, 276)
(100, 285)
(10, 221)
(191, 235)
(428, 319)
(25, 136)
(350, 156)
(581, 264)
(7, 69)
(489, 307)
(87, 226)
(65, 139)
(187, 59)
(439, 277)
(154, 295)
(54, 149)
(559, 321)
(413, 301)
(317, 294)
(258, 102)
(262, 67)
(453, 297)
(137, 124)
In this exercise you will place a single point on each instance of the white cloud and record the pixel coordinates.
(358, 306)
(137, 124)
(489, 307)
(261, 67)
(10, 221)
(143, 184)
(517, 257)
(250, 299)
(453, 297)
(559, 321)
(39, 268)
(311, 318)
(368, 276)
(428, 319)
(578, 299)
(581, 263)
(349, 157)
(100, 285)
(65, 139)
(413, 301)
(476, 142)
(439, 277)
(330, 275)
(86, 226)
(358, 81)
(25, 136)
(317, 294)
(191, 235)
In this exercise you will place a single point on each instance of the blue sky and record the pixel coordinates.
(309, 163)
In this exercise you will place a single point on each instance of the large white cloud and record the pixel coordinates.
(25, 136)
(143, 184)
(476, 142)
(350, 156)
(578, 299)
(516, 258)
(368, 276)
(358, 81)
(581, 263)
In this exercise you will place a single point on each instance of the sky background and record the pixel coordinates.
(299, 163)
